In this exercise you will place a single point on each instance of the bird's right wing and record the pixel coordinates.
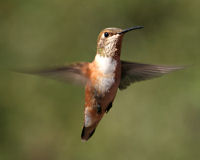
(75, 73)
(134, 72)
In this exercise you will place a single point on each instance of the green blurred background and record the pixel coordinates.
(41, 119)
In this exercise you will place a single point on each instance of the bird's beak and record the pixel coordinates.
(130, 29)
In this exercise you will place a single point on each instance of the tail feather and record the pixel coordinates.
(87, 132)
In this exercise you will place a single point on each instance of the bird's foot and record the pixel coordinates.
(109, 107)
(99, 110)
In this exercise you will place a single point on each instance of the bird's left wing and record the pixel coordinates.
(75, 73)
(134, 72)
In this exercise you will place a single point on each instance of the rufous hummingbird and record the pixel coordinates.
(104, 76)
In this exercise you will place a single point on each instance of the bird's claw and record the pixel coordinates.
(99, 109)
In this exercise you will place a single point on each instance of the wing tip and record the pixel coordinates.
(134, 72)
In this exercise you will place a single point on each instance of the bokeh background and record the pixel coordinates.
(41, 119)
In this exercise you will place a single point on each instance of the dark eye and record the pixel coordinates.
(106, 34)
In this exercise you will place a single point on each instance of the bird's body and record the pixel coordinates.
(104, 76)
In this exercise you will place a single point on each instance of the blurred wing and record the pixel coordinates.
(134, 72)
(75, 73)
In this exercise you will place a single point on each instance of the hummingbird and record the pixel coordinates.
(104, 76)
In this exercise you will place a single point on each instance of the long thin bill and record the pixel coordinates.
(130, 29)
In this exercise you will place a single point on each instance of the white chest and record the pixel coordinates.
(106, 66)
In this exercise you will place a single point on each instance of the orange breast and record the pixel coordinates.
(97, 77)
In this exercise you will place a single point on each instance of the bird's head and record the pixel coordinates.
(109, 40)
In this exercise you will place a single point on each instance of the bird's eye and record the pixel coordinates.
(106, 34)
